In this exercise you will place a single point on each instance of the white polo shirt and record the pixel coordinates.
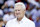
(23, 23)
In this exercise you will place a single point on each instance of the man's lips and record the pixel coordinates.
(17, 13)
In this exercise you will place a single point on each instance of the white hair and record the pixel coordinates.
(20, 3)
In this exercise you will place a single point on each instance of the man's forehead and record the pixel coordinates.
(18, 7)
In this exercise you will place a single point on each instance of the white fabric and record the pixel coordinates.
(11, 9)
(1, 12)
(23, 23)
(34, 14)
(37, 4)
(1, 1)
(8, 17)
(33, 2)
(9, 3)
(39, 12)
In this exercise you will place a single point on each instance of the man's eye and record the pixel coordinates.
(15, 10)
(18, 10)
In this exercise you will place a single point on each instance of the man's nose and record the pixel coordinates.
(17, 11)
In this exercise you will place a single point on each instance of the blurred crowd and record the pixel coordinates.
(7, 11)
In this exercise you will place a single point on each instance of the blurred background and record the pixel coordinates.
(7, 11)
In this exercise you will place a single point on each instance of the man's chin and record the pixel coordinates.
(18, 17)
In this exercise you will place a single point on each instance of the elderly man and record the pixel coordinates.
(20, 20)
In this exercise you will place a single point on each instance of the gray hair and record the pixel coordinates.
(20, 3)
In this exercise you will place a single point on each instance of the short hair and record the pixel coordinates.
(20, 3)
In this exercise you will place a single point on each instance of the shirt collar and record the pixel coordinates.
(24, 18)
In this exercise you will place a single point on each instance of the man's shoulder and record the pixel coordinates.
(29, 21)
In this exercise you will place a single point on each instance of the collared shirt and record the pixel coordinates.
(34, 14)
(23, 23)
(8, 17)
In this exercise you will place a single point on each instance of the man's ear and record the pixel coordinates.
(25, 10)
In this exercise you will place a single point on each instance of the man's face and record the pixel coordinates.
(19, 12)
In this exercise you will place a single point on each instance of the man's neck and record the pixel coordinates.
(19, 19)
